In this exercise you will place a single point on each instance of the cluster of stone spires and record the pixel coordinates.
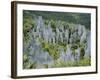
(62, 35)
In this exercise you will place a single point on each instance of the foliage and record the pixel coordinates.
(76, 18)
(82, 62)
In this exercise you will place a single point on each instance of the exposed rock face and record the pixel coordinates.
(77, 35)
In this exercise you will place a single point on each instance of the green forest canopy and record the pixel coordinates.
(76, 18)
